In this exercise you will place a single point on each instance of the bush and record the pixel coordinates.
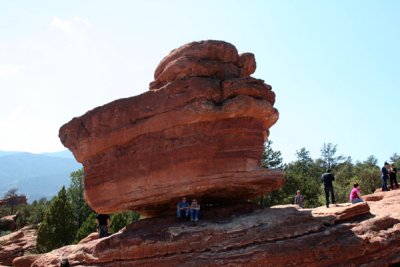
(120, 220)
(88, 226)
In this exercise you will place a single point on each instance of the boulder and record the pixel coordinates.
(198, 132)
(17, 244)
(252, 236)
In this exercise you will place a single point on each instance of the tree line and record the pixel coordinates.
(66, 218)
(304, 174)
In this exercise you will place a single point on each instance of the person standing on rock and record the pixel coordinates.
(384, 175)
(327, 178)
(182, 209)
(103, 222)
(392, 177)
(299, 199)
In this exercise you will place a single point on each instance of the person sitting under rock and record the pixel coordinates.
(103, 222)
(299, 199)
(355, 196)
(194, 211)
(182, 209)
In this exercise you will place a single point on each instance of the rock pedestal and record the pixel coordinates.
(198, 132)
(363, 234)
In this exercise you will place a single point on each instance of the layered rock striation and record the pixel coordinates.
(199, 132)
(17, 244)
(364, 234)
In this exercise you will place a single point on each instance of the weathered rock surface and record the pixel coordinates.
(17, 244)
(198, 132)
(364, 234)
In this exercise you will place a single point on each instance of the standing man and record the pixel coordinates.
(385, 175)
(327, 178)
(103, 221)
(392, 177)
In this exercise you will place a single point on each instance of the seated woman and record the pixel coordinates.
(355, 196)
(194, 211)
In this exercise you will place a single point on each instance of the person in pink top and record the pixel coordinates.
(355, 196)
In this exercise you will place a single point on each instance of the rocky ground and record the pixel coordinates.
(16, 244)
(365, 234)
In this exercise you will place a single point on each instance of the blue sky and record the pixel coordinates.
(334, 65)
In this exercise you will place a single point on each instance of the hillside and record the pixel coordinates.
(36, 175)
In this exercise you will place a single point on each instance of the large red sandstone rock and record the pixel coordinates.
(280, 236)
(17, 244)
(198, 132)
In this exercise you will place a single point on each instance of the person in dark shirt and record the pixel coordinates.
(103, 221)
(182, 210)
(385, 174)
(392, 176)
(327, 178)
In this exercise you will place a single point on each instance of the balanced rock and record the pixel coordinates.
(199, 132)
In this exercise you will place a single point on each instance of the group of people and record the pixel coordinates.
(355, 195)
(391, 173)
(186, 211)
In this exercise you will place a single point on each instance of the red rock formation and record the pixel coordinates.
(13, 201)
(17, 244)
(198, 132)
(367, 235)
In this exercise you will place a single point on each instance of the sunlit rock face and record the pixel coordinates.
(199, 131)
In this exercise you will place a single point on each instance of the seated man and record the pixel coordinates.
(182, 209)
(355, 196)
(194, 211)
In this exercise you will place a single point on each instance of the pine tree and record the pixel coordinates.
(57, 228)
(75, 196)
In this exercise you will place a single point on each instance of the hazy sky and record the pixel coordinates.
(334, 65)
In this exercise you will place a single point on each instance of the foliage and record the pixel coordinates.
(120, 220)
(75, 195)
(271, 158)
(58, 228)
(304, 174)
(89, 226)
(328, 154)
(31, 214)
(367, 175)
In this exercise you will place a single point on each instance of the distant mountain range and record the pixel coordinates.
(36, 175)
